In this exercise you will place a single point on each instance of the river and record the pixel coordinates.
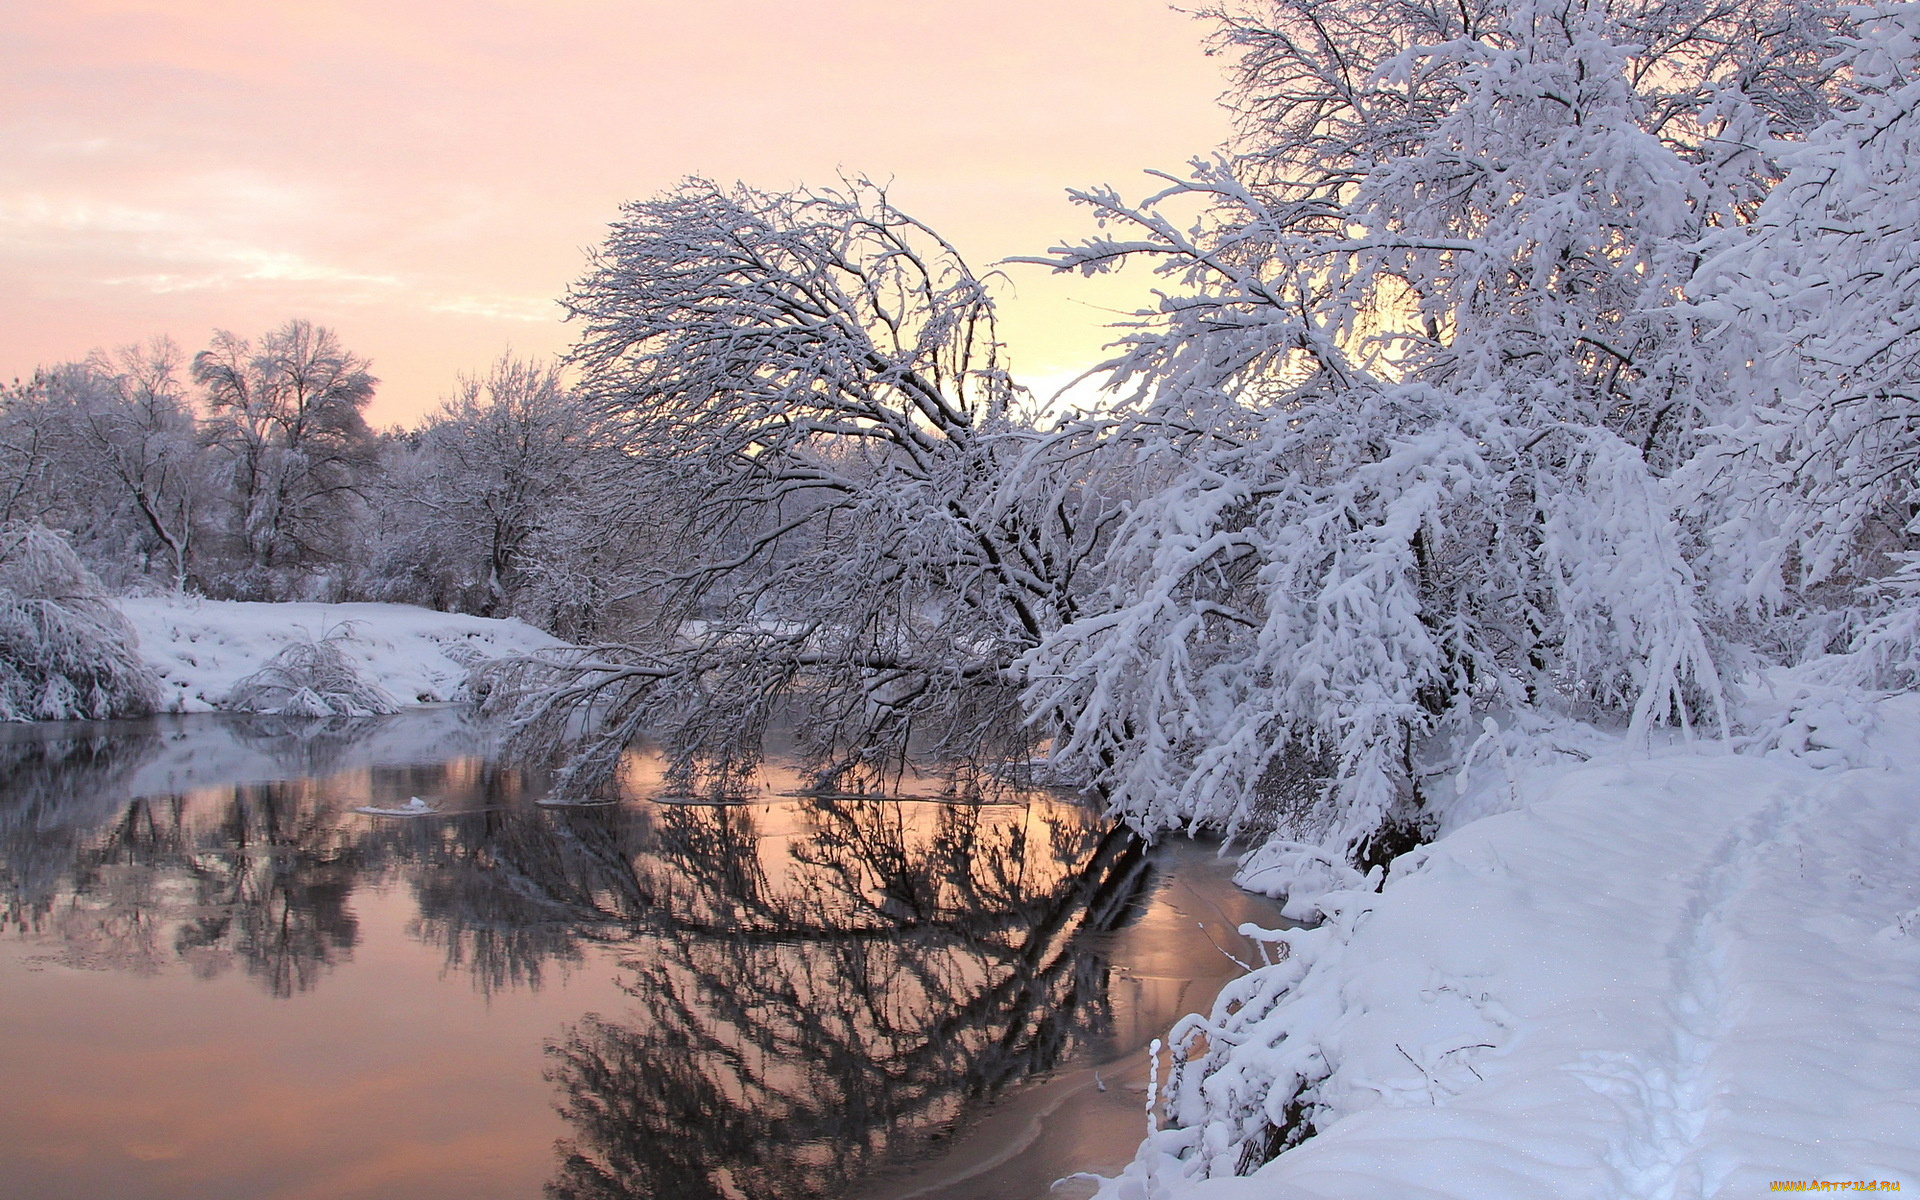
(221, 977)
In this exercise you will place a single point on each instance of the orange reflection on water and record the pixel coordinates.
(239, 985)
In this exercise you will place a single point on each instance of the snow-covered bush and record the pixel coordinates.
(65, 650)
(311, 679)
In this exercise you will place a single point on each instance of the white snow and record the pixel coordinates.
(201, 648)
(1690, 974)
(414, 807)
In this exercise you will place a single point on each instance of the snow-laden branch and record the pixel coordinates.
(813, 407)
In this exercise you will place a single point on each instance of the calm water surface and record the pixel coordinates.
(218, 978)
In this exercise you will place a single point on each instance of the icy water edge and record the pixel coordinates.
(220, 978)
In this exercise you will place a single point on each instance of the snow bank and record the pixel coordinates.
(1686, 975)
(202, 648)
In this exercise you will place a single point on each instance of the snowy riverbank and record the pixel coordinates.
(201, 648)
(1691, 974)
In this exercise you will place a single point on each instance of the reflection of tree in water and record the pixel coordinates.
(256, 876)
(271, 880)
(304, 747)
(259, 878)
(799, 1019)
(506, 892)
(810, 997)
(315, 747)
(58, 782)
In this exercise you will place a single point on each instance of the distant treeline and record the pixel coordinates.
(248, 471)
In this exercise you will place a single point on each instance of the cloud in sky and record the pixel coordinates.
(426, 177)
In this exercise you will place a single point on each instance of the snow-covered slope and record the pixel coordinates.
(1690, 975)
(200, 648)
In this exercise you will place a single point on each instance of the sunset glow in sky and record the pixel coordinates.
(426, 177)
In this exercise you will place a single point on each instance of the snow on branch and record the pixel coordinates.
(1818, 301)
(822, 433)
(1412, 397)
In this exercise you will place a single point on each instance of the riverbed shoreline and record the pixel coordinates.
(1679, 971)
(200, 648)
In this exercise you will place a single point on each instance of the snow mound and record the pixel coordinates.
(203, 649)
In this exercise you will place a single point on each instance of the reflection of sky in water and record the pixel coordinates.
(221, 980)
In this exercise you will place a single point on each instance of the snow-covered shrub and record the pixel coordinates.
(311, 679)
(65, 650)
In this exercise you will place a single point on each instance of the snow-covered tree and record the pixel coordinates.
(500, 455)
(139, 436)
(584, 576)
(479, 502)
(820, 426)
(107, 449)
(286, 414)
(1418, 377)
(32, 438)
(1821, 295)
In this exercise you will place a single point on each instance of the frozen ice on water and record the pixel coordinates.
(414, 807)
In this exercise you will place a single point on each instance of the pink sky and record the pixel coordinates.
(425, 177)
